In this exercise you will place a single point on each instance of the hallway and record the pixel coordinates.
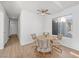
(13, 49)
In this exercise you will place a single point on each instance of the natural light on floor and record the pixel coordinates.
(74, 54)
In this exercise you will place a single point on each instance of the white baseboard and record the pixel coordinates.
(70, 47)
(22, 44)
(2, 47)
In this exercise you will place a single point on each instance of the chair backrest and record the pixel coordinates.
(44, 44)
(45, 34)
(33, 36)
(56, 40)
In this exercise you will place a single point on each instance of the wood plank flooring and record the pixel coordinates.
(14, 50)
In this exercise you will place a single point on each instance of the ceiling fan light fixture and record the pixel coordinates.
(43, 12)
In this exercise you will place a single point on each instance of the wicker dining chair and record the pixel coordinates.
(44, 47)
(56, 45)
(34, 37)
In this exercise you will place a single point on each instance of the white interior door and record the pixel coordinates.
(13, 26)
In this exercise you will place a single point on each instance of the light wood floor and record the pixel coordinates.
(13, 49)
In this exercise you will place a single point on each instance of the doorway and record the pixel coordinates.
(13, 27)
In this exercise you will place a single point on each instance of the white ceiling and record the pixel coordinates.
(13, 8)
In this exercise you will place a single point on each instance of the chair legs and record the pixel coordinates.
(41, 54)
(57, 48)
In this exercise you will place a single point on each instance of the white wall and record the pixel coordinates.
(13, 26)
(1, 30)
(29, 23)
(74, 41)
(3, 27)
(6, 28)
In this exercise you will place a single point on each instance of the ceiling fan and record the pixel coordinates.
(43, 12)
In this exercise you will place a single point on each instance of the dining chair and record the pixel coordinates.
(56, 45)
(44, 47)
(34, 37)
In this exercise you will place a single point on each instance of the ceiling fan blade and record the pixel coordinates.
(48, 13)
(39, 10)
(46, 10)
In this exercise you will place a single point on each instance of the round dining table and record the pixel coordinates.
(48, 37)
